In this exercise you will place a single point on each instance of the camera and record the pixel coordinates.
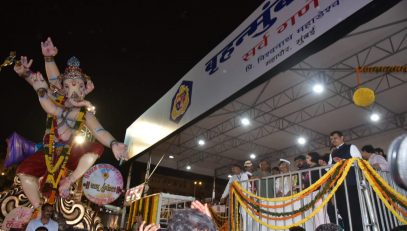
(397, 158)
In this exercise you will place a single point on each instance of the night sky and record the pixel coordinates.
(134, 51)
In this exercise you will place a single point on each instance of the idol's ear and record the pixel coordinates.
(89, 87)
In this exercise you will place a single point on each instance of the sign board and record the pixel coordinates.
(272, 33)
(133, 194)
(17, 218)
(102, 184)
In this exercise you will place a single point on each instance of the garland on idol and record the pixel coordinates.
(56, 170)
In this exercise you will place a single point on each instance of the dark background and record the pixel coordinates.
(135, 51)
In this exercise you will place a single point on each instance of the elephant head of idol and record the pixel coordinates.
(75, 85)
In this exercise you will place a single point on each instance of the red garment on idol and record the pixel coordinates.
(34, 165)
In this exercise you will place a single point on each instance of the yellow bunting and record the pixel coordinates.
(279, 199)
(324, 202)
(368, 171)
(248, 198)
(379, 193)
(218, 219)
(381, 180)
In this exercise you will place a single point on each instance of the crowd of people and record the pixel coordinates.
(196, 218)
(267, 181)
(48, 220)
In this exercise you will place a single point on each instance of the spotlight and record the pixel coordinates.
(252, 156)
(188, 167)
(79, 139)
(229, 176)
(318, 88)
(3, 173)
(201, 142)
(374, 117)
(301, 140)
(245, 121)
(171, 156)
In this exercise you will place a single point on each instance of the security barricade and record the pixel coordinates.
(350, 194)
(156, 208)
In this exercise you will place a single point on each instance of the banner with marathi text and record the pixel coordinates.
(272, 33)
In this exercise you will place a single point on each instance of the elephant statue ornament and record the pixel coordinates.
(54, 167)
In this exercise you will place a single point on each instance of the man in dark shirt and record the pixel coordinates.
(266, 186)
(340, 152)
(301, 164)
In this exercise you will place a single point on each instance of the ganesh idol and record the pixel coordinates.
(60, 162)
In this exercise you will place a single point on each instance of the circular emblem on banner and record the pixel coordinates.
(102, 184)
(181, 101)
(17, 218)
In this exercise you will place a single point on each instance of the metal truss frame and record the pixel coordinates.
(341, 97)
(397, 121)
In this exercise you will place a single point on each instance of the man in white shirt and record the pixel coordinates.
(249, 170)
(239, 175)
(47, 211)
(377, 161)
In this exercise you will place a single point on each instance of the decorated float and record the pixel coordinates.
(73, 140)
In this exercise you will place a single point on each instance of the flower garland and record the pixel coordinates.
(385, 199)
(313, 187)
(224, 227)
(383, 183)
(218, 219)
(239, 189)
(310, 188)
(287, 215)
(376, 182)
(342, 177)
(393, 196)
(385, 192)
(58, 170)
(232, 207)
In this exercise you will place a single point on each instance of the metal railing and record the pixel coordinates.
(355, 206)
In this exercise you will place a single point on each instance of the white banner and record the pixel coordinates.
(274, 32)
